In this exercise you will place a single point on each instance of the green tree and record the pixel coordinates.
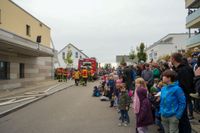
(122, 61)
(142, 56)
(132, 55)
(68, 59)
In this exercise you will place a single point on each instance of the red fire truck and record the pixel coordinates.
(90, 63)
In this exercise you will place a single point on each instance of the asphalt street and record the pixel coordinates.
(72, 110)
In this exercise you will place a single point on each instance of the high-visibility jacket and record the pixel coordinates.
(76, 75)
(65, 72)
(92, 72)
(84, 73)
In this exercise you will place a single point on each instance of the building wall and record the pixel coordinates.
(159, 51)
(14, 19)
(126, 59)
(74, 58)
(162, 48)
(180, 41)
(36, 69)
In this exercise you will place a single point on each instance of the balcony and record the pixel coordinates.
(193, 41)
(192, 3)
(193, 20)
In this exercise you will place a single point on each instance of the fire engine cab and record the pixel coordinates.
(89, 63)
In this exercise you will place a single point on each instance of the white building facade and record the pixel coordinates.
(72, 52)
(169, 44)
(128, 61)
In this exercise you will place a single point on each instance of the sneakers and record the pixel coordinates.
(122, 124)
(119, 124)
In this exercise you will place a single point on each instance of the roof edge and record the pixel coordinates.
(75, 48)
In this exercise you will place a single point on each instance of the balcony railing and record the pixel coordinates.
(193, 41)
(195, 15)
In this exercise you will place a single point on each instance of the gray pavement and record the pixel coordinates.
(12, 103)
(72, 110)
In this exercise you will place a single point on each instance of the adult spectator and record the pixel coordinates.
(196, 96)
(127, 77)
(147, 75)
(185, 78)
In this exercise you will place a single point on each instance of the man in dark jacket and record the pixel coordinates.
(127, 77)
(185, 78)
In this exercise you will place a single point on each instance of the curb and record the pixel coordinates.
(7, 112)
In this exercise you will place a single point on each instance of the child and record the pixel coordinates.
(96, 92)
(142, 107)
(112, 100)
(124, 106)
(117, 91)
(139, 82)
(153, 89)
(157, 108)
(111, 86)
(172, 102)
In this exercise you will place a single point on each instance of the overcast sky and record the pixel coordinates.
(106, 28)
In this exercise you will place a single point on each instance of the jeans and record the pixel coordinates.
(124, 116)
(158, 122)
(190, 105)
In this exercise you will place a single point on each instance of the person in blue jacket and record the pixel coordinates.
(173, 102)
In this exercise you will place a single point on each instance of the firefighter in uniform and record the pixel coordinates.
(84, 74)
(65, 74)
(76, 77)
(60, 74)
(92, 74)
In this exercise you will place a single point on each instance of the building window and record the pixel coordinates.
(80, 57)
(76, 54)
(4, 70)
(40, 24)
(21, 70)
(63, 55)
(28, 30)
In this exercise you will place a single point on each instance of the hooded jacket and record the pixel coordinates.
(173, 101)
(144, 117)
